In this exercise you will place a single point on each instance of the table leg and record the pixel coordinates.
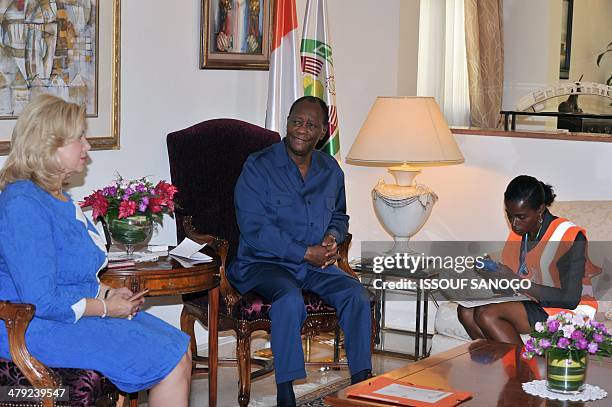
(383, 300)
(378, 315)
(425, 312)
(417, 328)
(213, 345)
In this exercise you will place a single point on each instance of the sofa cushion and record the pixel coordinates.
(594, 216)
(447, 322)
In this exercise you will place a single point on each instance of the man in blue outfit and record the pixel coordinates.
(291, 211)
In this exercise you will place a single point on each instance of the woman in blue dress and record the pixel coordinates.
(50, 256)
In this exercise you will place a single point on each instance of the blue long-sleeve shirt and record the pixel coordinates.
(47, 255)
(280, 214)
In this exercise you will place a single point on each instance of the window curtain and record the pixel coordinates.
(442, 64)
(485, 61)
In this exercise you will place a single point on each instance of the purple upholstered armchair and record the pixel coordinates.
(205, 162)
(85, 387)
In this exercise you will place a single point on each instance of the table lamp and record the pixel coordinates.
(404, 134)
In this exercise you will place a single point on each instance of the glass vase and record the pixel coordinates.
(565, 371)
(130, 231)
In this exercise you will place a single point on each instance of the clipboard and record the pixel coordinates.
(392, 391)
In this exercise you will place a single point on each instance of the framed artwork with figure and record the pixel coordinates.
(236, 34)
(67, 48)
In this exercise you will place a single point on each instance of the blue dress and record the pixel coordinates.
(50, 255)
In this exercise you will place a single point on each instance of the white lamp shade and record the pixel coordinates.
(405, 130)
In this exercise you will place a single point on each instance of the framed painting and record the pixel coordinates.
(68, 48)
(236, 34)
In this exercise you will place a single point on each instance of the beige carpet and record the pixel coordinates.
(263, 390)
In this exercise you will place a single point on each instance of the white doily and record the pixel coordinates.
(538, 388)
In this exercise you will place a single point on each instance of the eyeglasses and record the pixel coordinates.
(308, 125)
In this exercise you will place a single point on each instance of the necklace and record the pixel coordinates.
(523, 271)
(538, 233)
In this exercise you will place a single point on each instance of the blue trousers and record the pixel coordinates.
(350, 299)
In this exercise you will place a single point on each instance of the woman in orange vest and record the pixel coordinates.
(548, 250)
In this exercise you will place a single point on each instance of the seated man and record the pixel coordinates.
(291, 211)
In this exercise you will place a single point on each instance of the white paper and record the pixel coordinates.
(494, 300)
(412, 393)
(190, 250)
(136, 257)
(187, 263)
(154, 248)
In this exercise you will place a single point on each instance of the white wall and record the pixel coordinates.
(408, 45)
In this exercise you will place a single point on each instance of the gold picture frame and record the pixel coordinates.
(103, 125)
(222, 48)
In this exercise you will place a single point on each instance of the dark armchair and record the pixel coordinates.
(205, 162)
(85, 387)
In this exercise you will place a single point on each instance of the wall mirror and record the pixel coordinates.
(551, 42)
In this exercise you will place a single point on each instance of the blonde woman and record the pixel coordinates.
(50, 255)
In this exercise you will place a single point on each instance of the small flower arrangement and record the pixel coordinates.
(124, 198)
(576, 335)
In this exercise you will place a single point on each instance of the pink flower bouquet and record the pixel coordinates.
(566, 339)
(572, 333)
(124, 198)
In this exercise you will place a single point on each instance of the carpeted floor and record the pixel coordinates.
(315, 398)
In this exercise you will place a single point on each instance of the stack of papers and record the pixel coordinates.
(136, 257)
(120, 264)
(188, 253)
(158, 248)
(492, 300)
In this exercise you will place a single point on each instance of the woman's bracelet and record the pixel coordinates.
(104, 306)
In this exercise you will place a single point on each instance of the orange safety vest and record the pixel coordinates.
(542, 259)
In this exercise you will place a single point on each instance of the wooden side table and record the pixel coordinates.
(166, 276)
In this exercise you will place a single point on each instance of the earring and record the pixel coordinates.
(540, 220)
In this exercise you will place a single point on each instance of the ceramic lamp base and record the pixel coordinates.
(402, 210)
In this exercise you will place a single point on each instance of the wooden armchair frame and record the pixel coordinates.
(17, 317)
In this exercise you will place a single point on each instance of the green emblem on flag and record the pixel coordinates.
(310, 46)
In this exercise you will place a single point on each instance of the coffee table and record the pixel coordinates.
(492, 371)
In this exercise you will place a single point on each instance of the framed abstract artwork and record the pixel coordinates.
(67, 48)
(236, 34)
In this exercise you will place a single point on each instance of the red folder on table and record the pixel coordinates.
(407, 394)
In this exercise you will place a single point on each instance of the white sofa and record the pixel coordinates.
(594, 216)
